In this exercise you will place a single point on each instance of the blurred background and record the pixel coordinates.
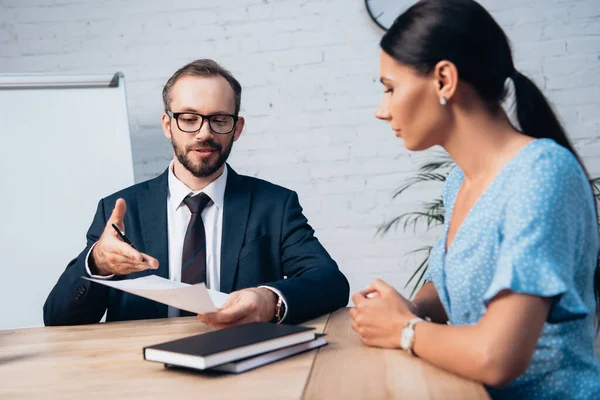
(309, 71)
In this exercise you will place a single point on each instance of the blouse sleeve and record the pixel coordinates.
(545, 224)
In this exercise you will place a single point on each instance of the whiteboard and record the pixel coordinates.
(64, 144)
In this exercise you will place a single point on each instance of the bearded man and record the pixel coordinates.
(200, 221)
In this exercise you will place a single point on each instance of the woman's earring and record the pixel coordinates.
(443, 101)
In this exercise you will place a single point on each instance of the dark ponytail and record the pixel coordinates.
(463, 32)
(535, 114)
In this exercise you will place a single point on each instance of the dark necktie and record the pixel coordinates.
(193, 259)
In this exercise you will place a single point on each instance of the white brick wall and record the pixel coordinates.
(310, 75)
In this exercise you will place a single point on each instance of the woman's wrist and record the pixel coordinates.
(414, 309)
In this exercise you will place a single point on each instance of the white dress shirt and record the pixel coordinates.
(178, 217)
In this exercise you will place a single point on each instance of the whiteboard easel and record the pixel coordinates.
(64, 144)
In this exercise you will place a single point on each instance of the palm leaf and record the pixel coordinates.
(436, 209)
(429, 215)
(421, 269)
(413, 218)
(421, 177)
(595, 182)
(447, 163)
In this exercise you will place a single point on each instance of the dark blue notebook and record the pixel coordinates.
(222, 346)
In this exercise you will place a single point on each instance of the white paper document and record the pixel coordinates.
(193, 298)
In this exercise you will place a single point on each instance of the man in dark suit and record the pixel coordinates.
(201, 222)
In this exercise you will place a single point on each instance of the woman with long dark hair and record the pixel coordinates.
(512, 286)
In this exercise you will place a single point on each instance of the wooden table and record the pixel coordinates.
(105, 361)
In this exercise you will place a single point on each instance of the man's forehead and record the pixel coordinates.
(212, 91)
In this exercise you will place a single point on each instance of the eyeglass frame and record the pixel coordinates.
(177, 114)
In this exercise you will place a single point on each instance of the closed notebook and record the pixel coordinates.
(266, 358)
(222, 346)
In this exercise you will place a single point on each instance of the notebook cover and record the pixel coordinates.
(214, 342)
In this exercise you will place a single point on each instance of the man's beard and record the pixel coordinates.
(205, 167)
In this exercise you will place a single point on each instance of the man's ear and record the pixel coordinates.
(165, 122)
(239, 127)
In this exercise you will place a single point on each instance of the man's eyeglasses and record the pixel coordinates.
(192, 122)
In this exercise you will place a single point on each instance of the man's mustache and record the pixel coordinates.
(205, 145)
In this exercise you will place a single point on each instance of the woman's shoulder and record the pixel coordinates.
(544, 158)
(546, 166)
(547, 174)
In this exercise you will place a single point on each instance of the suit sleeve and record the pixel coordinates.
(75, 300)
(314, 284)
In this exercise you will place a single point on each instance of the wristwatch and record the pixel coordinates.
(279, 309)
(407, 337)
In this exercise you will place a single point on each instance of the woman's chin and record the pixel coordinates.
(409, 145)
(415, 146)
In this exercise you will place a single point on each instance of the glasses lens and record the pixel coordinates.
(221, 123)
(189, 122)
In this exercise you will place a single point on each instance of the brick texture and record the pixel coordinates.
(310, 75)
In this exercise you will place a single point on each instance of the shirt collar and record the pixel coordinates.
(178, 190)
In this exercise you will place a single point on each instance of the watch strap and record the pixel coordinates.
(410, 325)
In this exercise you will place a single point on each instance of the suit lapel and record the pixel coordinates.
(236, 209)
(152, 201)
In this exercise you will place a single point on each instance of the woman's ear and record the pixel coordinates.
(445, 75)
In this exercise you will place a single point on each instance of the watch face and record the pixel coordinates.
(406, 338)
(385, 12)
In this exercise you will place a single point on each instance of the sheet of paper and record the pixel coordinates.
(192, 298)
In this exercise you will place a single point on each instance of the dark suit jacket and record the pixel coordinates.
(265, 238)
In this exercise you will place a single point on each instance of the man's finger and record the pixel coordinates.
(246, 320)
(141, 266)
(126, 250)
(231, 314)
(150, 261)
(206, 318)
(115, 258)
(118, 214)
(122, 265)
(215, 320)
(124, 268)
(229, 301)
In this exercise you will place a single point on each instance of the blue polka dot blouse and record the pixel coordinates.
(534, 230)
